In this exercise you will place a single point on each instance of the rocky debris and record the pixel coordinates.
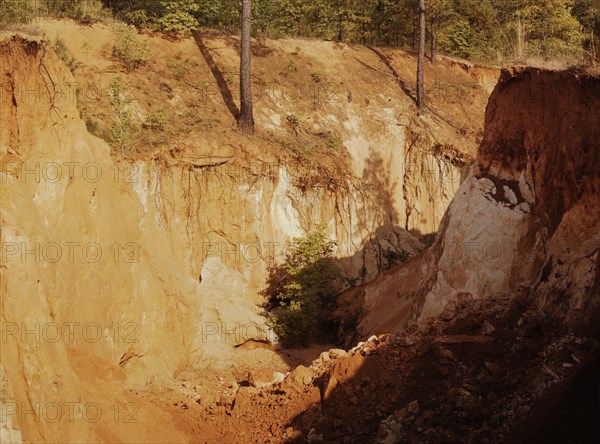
(265, 378)
(449, 311)
(445, 381)
(451, 384)
(300, 377)
(336, 353)
(325, 357)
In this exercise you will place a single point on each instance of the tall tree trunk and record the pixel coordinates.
(433, 41)
(593, 49)
(246, 119)
(341, 30)
(421, 61)
(519, 38)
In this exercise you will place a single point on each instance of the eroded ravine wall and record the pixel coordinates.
(524, 222)
(121, 271)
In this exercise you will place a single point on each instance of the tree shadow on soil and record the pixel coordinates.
(220, 79)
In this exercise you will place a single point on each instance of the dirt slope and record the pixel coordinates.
(314, 102)
(149, 267)
(489, 348)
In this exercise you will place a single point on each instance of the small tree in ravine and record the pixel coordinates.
(306, 285)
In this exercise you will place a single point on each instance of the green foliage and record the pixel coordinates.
(179, 69)
(86, 11)
(129, 48)
(459, 40)
(587, 13)
(157, 120)
(306, 286)
(178, 16)
(16, 11)
(551, 29)
(171, 16)
(120, 130)
(480, 30)
(23, 11)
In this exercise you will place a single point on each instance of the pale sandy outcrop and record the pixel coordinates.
(526, 220)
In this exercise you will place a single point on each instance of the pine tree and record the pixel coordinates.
(440, 13)
(588, 14)
(246, 118)
(421, 60)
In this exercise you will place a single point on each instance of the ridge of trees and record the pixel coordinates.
(478, 30)
(494, 31)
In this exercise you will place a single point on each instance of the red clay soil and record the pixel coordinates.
(515, 367)
(558, 133)
(493, 371)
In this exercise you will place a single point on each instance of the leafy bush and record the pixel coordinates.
(86, 11)
(179, 69)
(15, 11)
(174, 16)
(23, 11)
(157, 120)
(306, 285)
(129, 48)
(460, 40)
(178, 17)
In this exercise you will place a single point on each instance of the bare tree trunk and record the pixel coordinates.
(246, 119)
(519, 38)
(341, 27)
(421, 61)
(433, 41)
(593, 48)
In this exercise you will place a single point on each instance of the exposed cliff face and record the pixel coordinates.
(495, 328)
(126, 274)
(307, 94)
(560, 166)
(117, 274)
(82, 289)
(526, 219)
